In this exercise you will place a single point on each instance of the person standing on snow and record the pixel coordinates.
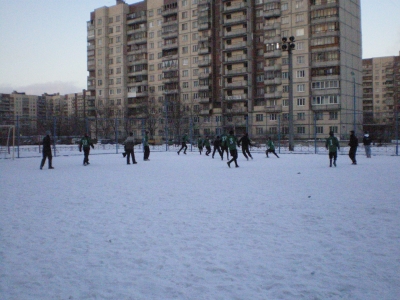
(184, 146)
(245, 143)
(271, 147)
(129, 149)
(207, 145)
(146, 146)
(332, 144)
(231, 142)
(217, 146)
(85, 143)
(353, 147)
(367, 144)
(46, 151)
(224, 146)
(200, 143)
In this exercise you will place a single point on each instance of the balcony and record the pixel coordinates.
(170, 92)
(275, 53)
(91, 47)
(273, 108)
(204, 88)
(235, 46)
(236, 84)
(204, 75)
(205, 38)
(273, 13)
(169, 12)
(135, 19)
(234, 33)
(325, 107)
(203, 2)
(235, 7)
(234, 98)
(136, 73)
(274, 95)
(272, 39)
(170, 46)
(272, 26)
(171, 80)
(136, 30)
(274, 81)
(276, 67)
(205, 50)
(169, 34)
(204, 63)
(234, 72)
(204, 26)
(204, 100)
(137, 41)
(204, 112)
(236, 58)
(241, 19)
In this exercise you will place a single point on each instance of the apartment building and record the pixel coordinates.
(204, 67)
(381, 97)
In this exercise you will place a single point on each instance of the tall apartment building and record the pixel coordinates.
(381, 95)
(207, 66)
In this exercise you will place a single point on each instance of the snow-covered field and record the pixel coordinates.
(189, 227)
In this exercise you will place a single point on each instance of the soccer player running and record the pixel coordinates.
(224, 146)
(231, 143)
(332, 144)
(200, 143)
(207, 145)
(85, 143)
(217, 146)
(245, 143)
(271, 147)
(184, 146)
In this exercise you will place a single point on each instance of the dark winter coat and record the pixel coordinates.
(47, 144)
(367, 140)
(353, 141)
(245, 141)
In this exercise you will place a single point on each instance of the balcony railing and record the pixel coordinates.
(274, 81)
(319, 107)
(235, 6)
(235, 20)
(236, 97)
(236, 71)
(236, 84)
(274, 95)
(273, 108)
(234, 58)
(235, 32)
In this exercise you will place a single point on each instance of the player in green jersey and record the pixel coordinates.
(224, 146)
(231, 142)
(332, 144)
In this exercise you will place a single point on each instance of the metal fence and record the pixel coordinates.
(165, 134)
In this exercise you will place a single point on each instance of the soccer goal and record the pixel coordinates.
(7, 141)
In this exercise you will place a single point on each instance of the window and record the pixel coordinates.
(185, 26)
(319, 115)
(99, 31)
(300, 73)
(320, 129)
(299, 17)
(333, 115)
(259, 130)
(185, 61)
(301, 87)
(301, 101)
(184, 3)
(333, 128)
(299, 4)
(273, 117)
(285, 102)
(99, 82)
(285, 75)
(185, 38)
(300, 32)
(301, 130)
(194, 25)
(301, 116)
(259, 117)
(185, 85)
(185, 50)
(151, 13)
(185, 73)
(285, 20)
(151, 35)
(284, 6)
(194, 48)
(184, 14)
(300, 46)
(117, 18)
(300, 59)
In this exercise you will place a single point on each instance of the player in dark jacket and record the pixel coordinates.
(200, 144)
(47, 151)
(217, 146)
(332, 144)
(184, 146)
(207, 145)
(367, 144)
(85, 143)
(245, 142)
(353, 147)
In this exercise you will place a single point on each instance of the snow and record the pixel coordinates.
(189, 227)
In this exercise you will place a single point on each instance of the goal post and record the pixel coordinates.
(7, 141)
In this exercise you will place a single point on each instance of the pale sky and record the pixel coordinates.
(43, 48)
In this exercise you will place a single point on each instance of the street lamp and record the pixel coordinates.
(354, 102)
(289, 46)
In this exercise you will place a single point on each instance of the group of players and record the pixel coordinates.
(227, 143)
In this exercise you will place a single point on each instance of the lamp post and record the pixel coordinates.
(289, 46)
(354, 102)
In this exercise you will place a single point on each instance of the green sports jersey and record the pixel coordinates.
(231, 142)
(271, 145)
(332, 144)
(146, 140)
(223, 140)
(200, 143)
(206, 143)
(184, 138)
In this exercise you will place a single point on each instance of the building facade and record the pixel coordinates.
(204, 67)
(381, 95)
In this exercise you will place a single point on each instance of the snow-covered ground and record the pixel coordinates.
(189, 227)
